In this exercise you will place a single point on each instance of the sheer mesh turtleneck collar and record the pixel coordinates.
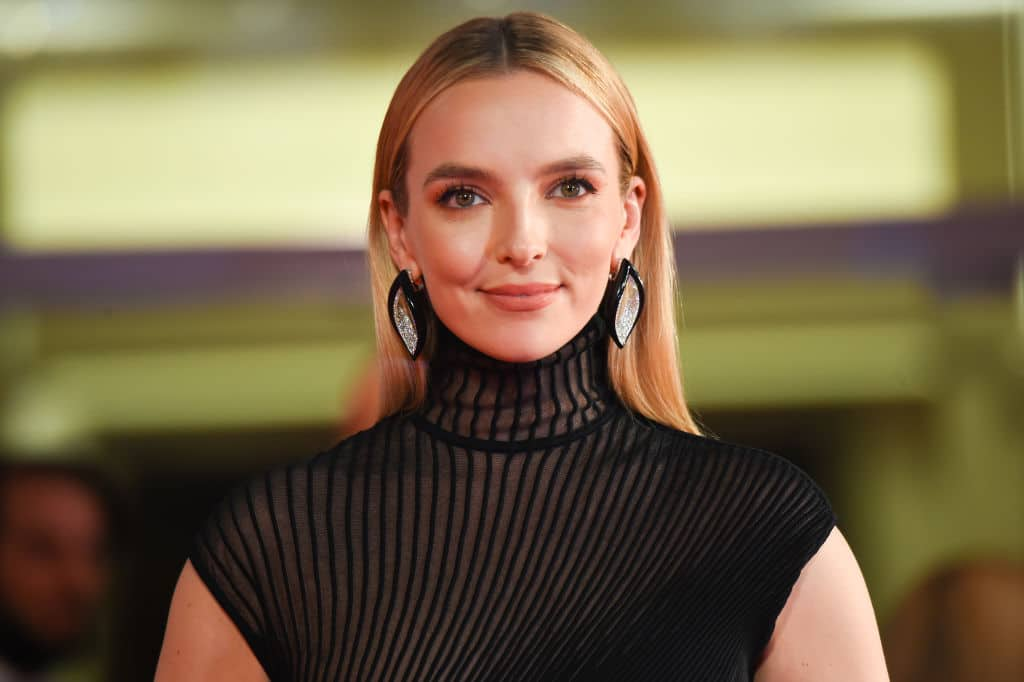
(475, 397)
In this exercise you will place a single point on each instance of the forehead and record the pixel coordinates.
(515, 123)
(37, 501)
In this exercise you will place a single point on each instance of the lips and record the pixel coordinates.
(522, 289)
(521, 298)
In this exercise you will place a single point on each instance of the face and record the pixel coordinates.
(53, 568)
(516, 216)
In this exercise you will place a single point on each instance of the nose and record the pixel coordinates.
(519, 234)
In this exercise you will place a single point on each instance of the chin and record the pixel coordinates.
(523, 341)
(519, 354)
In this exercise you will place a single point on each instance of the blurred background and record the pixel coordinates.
(184, 299)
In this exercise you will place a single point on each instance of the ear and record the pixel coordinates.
(632, 211)
(394, 227)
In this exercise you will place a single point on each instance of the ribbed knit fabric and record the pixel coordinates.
(522, 525)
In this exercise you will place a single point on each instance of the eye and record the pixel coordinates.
(463, 196)
(573, 187)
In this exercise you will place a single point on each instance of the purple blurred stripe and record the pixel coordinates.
(967, 251)
(154, 277)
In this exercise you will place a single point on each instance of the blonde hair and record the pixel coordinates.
(645, 373)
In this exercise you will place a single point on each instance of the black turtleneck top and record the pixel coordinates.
(522, 525)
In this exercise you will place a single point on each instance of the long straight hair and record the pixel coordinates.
(646, 373)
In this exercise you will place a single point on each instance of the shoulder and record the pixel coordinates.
(808, 614)
(771, 516)
(266, 533)
(261, 508)
(755, 476)
(258, 512)
(827, 627)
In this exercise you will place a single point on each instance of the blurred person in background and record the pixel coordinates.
(55, 551)
(962, 623)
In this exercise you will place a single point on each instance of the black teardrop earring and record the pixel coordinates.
(406, 308)
(622, 303)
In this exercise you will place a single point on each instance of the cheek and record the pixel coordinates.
(584, 246)
(452, 254)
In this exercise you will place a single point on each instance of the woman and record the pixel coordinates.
(537, 502)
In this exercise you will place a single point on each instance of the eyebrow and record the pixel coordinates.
(457, 170)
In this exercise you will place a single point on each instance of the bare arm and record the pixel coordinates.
(827, 629)
(201, 643)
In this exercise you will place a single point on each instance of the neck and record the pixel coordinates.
(474, 396)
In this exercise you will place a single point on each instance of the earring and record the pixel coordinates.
(623, 301)
(406, 310)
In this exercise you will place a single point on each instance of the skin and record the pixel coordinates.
(201, 642)
(513, 220)
(53, 561)
(518, 219)
(827, 629)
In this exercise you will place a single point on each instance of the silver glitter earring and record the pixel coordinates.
(622, 303)
(406, 308)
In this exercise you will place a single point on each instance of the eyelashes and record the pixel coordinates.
(576, 180)
(454, 189)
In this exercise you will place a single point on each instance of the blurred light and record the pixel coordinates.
(195, 387)
(40, 419)
(485, 6)
(247, 152)
(256, 17)
(280, 152)
(82, 26)
(802, 132)
(845, 10)
(19, 342)
(24, 28)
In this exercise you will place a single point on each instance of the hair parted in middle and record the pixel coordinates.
(646, 373)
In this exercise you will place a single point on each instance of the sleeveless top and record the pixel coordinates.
(523, 525)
